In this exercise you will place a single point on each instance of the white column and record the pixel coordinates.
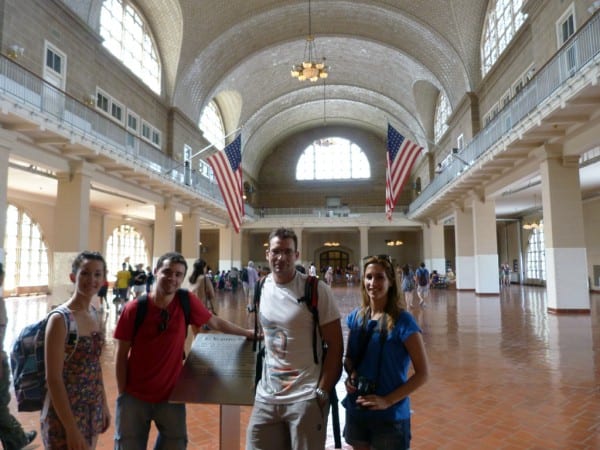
(364, 244)
(485, 246)
(465, 260)
(435, 236)
(564, 234)
(4, 154)
(298, 231)
(71, 225)
(164, 229)
(230, 249)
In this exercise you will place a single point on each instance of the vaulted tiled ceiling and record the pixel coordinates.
(388, 60)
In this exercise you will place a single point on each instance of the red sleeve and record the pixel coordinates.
(124, 328)
(199, 315)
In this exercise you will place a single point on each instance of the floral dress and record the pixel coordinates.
(82, 376)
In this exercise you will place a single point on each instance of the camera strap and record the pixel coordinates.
(366, 332)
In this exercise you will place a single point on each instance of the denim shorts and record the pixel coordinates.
(132, 424)
(378, 434)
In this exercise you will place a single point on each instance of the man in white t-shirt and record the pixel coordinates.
(285, 413)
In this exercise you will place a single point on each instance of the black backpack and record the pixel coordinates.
(422, 277)
(311, 298)
(142, 309)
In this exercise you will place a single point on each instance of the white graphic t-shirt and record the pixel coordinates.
(289, 371)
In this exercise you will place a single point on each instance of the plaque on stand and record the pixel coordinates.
(219, 369)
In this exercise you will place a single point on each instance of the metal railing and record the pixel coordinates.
(570, 59)
(24, 88)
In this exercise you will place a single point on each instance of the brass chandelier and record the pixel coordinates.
(312, 67)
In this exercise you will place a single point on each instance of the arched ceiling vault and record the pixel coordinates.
(378, 50)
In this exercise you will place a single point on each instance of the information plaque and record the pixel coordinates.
(219, 369)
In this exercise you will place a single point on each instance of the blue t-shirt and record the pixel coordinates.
(387, 375)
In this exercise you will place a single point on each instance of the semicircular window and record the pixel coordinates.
(333, 158)
(128, 37)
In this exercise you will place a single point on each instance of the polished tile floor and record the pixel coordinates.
(505, 374)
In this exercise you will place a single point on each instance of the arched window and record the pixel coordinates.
(442, 112)
(211, 125)
(503, 20)
(127, 36)
(125, 244)
(333, 158)
(536, 254)
(26, 262)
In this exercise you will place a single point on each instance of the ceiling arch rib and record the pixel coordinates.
(283, 40)
(272, 124)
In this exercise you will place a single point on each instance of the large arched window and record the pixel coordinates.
(127, 36)
(503, 19)
(442, 112)
(333, 158)
(125, 244)
(536, 254)
(211, 125)
(26, 262)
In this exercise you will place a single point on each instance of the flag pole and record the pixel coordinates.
(199, 152)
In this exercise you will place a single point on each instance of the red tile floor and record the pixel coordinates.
(505, 374)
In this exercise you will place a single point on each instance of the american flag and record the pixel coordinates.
(401, 156)
(227, 166)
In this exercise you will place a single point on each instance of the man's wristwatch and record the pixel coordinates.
(322, 395)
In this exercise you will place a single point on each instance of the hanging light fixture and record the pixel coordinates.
(534, 225)
(311, 68)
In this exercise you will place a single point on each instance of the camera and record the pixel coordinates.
(364, 386)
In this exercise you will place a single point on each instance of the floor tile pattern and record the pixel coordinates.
(505, 373)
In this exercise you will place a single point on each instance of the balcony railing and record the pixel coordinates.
(570, 59)
(23, 87)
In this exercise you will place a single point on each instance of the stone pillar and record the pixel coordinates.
(4, 153)
(435, 235)
(301, 258)
(230, 249)
(564, 238)
(190, 240)
(164, 230)
(485, 246)
(71, 225)
(465, 261)
(364, 244)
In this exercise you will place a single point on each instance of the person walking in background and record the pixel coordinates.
(201, 285)
(505, 271)
(329, 276)
(252, 274)
(138, 281)
(422, 282)
(76, 411)
(149, 279)
(383, 341)
(122, 284)
(292, 397)
(408, 284)
(148, 359)
(312, 270)
(12, 435)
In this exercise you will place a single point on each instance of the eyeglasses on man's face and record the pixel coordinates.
(164, 320)
(277, 252)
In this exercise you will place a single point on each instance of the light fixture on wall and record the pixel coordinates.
(393, 243)
(312, 67)
(89, 100)
(15, 51)
(331, 244)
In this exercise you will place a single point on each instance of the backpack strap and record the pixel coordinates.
(311, 298)
(255, 304)
(72, 336)
(142, 308)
